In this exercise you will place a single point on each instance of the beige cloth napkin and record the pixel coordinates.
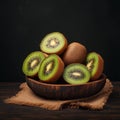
(26, 97)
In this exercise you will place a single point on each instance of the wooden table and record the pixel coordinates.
(111, 110)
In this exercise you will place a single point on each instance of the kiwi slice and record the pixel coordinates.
(95, 65)
(51, 69)
(76, 73)
(32, 63)
(53, 43)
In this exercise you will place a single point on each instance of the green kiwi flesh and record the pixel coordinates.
(32, 63)
(76, 74)
(92, 62)
(49, 69)
(54, 42)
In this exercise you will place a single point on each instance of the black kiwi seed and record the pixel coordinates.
(52, 43)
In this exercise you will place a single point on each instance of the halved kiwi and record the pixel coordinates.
(95, 65)
(75, 53)
(32, 63)
(51, 69)
(53, 43)
(76, 74)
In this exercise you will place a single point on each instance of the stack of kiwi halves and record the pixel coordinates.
(59, 60)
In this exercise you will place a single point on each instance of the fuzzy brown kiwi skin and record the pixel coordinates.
(75, 53)
(100, 68)
(58, 73)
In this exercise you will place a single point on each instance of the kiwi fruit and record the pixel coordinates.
(51, 69)
(53, 43)
(32, 63)
(76, 73)
(75, 53)
(95, 65)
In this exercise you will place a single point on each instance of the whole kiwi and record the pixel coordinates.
(75, 53)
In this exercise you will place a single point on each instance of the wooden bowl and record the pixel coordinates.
(66, 91)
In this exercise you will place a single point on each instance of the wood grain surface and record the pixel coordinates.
(111, 110)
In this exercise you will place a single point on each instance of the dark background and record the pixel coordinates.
(25, 22)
